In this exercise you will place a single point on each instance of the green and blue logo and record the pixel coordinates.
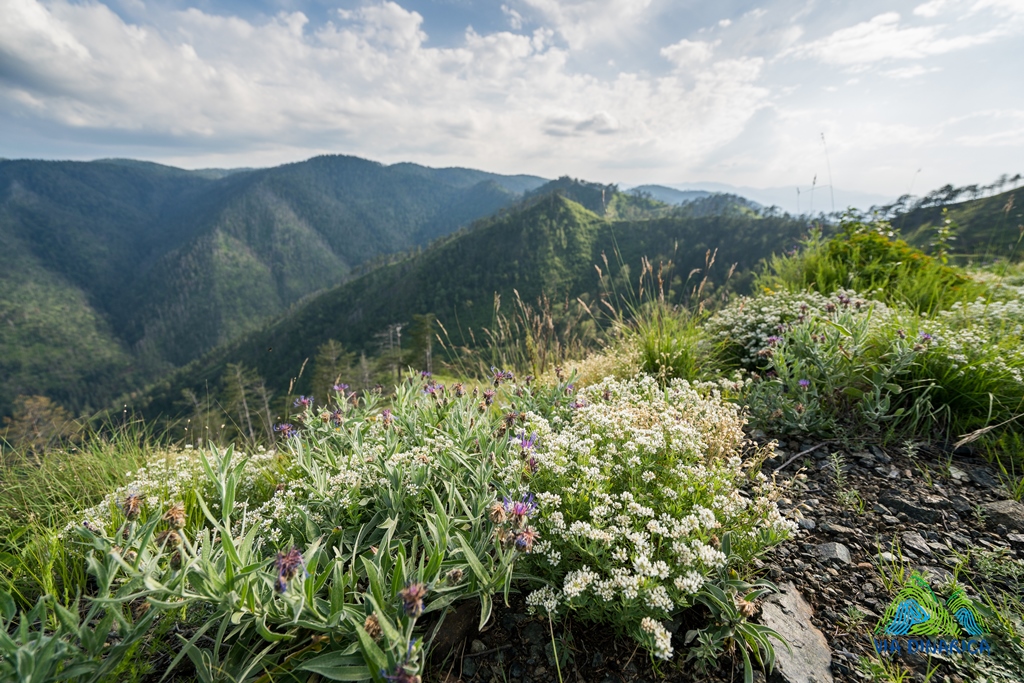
(918, 622)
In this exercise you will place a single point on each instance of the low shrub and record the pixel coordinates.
(329, 555)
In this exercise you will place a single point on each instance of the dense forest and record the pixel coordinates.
(113, 272)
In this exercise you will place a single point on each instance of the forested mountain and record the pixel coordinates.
(990, 227)
(114, 271)
(548, 247)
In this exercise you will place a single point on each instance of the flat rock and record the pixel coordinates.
(834, 552)
(810, 660)
(914, 541)
(896, 501)
(1016, 541)
(982, 476)
(1009, 513)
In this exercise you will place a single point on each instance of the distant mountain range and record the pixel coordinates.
(112, 272)
(786, 198)
(117, 275)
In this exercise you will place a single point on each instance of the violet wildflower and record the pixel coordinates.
(524, 443)
(288, 565)
(925, 337)
(518, 511)
(570, 389)
(459, 389)
(501, 375)
(412, 599)
(531, 465)
(578, 403)
(773, 340)
(386, 417)
(424, 374)
(804, 383)
(340, 388)
(489, 396)
(286, 430)
(303, 402)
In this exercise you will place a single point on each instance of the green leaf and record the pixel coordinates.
(335, 666)
(7, 606)
(486, 605)
(473, 560)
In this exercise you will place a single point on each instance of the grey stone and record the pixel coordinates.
(838, 529)
(890, 520)
(896, 500)
(806, 523)
(834, 552)
(468, 667)
(1009, 513)
(960, 504)
(477, 646)
(810, 660)
(913, 540)
(982, 476)
(1016, 541)
(957, 474)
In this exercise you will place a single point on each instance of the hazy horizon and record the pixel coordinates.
(875, 98)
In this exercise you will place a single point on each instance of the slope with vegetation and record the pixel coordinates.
(618, 489)
(156, 265)
(544, 251)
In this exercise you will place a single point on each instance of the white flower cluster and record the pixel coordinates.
(662, 638)
(635, 489)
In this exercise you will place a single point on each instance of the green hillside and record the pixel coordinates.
(158, 265)
(988, 227)
(549, 247)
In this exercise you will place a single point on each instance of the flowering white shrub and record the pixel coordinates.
(638, 487)
(752, 325)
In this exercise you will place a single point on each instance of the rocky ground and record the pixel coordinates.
(865, 514)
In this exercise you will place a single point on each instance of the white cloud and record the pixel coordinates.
(725, 23)
(930, 8)
(515, 19)
(908, 72)
(583, 23)
(882, 38)
(366, 83)
(688, 53)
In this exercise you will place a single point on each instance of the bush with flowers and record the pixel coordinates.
(642, 500)
(340, 552)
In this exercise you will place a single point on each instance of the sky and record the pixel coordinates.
(871, 96)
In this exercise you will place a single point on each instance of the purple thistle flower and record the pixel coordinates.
(412, 599)
(386, 417)
(424, 374)
(501, 375)
(926, 337)
(773, 340)
(577, 404)
(804, 383)
(531, 464)
(303, 402)
(340, 388)
(285, 429)
(569, 389)
(521, 509)
(488, 396)
(288, 565)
